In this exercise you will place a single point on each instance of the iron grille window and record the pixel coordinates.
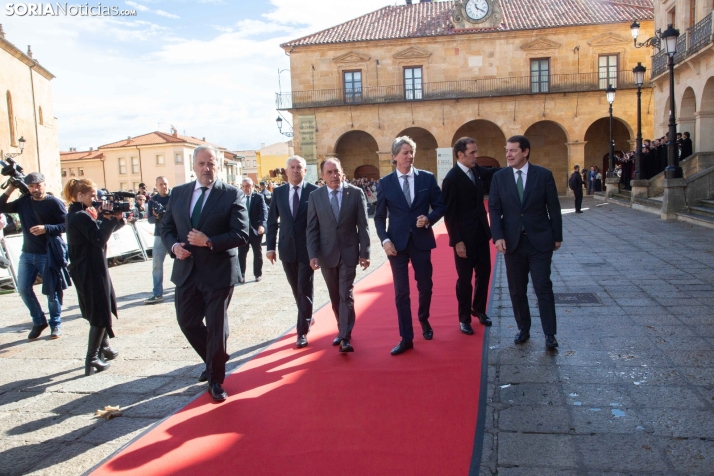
(412, 84)
(607, 71)
(540, 75)
(353, 86)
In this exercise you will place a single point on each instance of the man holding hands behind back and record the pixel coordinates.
(338, 239)
(527, 227)
(405, 196)
(204, 223)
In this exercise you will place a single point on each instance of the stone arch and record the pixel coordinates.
(367, 171)
(703, 137)
(355, 149)
(549, 149)
(597, 138)
(490, 139)
(425, 156)
(687, 110)
(11, 120)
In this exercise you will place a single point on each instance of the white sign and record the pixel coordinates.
(13, 248)
(122, 242)
(145, 230)
(444, 163)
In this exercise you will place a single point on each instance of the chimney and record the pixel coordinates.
(203, 139)
(128, 137)
(29, 51)
(409, 2)
(91, 149)
(262, 145)
(2, 32)
(175, 133)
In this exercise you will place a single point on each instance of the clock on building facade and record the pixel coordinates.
(476, 14)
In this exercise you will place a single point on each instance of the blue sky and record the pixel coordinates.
(209, 67)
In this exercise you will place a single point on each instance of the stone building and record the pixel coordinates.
(488, 69)
(26, 111)
(122, 165)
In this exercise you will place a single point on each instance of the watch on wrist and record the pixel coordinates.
(209, 243)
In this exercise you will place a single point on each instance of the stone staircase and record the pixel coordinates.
(701, 213)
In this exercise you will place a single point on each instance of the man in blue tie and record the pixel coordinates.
(405, 196)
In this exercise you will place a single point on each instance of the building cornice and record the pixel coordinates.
(14, 51)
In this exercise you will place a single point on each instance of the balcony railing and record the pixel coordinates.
(688, 43)
(476, 88)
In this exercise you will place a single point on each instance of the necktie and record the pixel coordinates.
(519, 185)
(296, 201)
(196, 213)
(407, 192)
(335, 204)
(247, 203)
(471, 176)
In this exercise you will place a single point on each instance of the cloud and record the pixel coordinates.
(138, 6)
(166, 14)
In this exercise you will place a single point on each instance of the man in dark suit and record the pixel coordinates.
(527, 227)
(469, 233)
(289, 204)
(258, 218)
(204, 223)
(405, 196)
(338, 239)
(686, 147)
(575, 183)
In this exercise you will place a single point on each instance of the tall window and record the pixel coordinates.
(72, 173)
(64, 172)
(353, 86)
(179, 158)
(136, 186)
(607, 71)
(412, 83)
(135, 165)
(160, 159)
(672, 17)
(11, 120)
(42, 119)
(122, 165)
(122, 185)
(692, 12)
(80, 172)
(540, 75)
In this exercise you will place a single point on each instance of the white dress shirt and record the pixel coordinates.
(197, 194)
(465, 169)
(523, 169)
(292, 192)
(340, 189)
(410, 178)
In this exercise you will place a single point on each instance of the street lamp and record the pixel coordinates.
(639, 75)
(673, 169)
(279, 122)
(610, 94)
(653, 42)
(21, 144)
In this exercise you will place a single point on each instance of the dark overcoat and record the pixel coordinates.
(87, 240)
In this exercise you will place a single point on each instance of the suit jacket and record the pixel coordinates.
(346, 238)
(224, 220)
(465, 217)
(575, 183)
(402, 217)
(292, 247)
(258, 213)
(539, 213)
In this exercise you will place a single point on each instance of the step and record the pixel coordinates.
(696, 219)
(648, 202)
(709, 212)
(707, 203)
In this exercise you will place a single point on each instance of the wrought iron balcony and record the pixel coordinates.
(476, 88)
(688, 43)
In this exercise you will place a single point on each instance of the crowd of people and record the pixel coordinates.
(208, 227)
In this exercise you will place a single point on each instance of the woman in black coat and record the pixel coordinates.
(87, 238)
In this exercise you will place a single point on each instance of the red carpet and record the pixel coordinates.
(316, 412)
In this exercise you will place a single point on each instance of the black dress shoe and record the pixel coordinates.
(301, 342)
(402, 347)
(36, 331)
(203, 377)
(550, 341)
(522, 337)
(467, 329)
(484, 319)
(336, 341)
(345, 346)
(217, 392)
(426, 330)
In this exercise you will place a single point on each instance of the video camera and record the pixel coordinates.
(11, 169)
(115, 199)
(159, 209)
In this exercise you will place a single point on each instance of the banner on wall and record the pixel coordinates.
(444, 163)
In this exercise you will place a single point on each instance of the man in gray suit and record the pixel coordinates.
(337, 239)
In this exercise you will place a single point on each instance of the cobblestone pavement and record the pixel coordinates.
(47, 405)
(631, 388)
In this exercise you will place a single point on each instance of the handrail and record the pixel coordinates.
(688, 43)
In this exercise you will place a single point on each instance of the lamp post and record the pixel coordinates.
(21, 145)
(279, 122)
(639, 75)
(610, 94)
(673, 169)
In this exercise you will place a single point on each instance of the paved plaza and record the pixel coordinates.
(630, 390)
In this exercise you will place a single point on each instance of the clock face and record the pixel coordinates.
(477, 9)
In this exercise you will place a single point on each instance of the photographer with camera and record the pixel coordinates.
(139, 210)
(157, 206)
(87, 237)
(42, 216)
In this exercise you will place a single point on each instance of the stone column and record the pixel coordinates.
(612, 186)
(702, 134)
(674, 200)
(385, 163)
(639, 188)
(576, 156)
